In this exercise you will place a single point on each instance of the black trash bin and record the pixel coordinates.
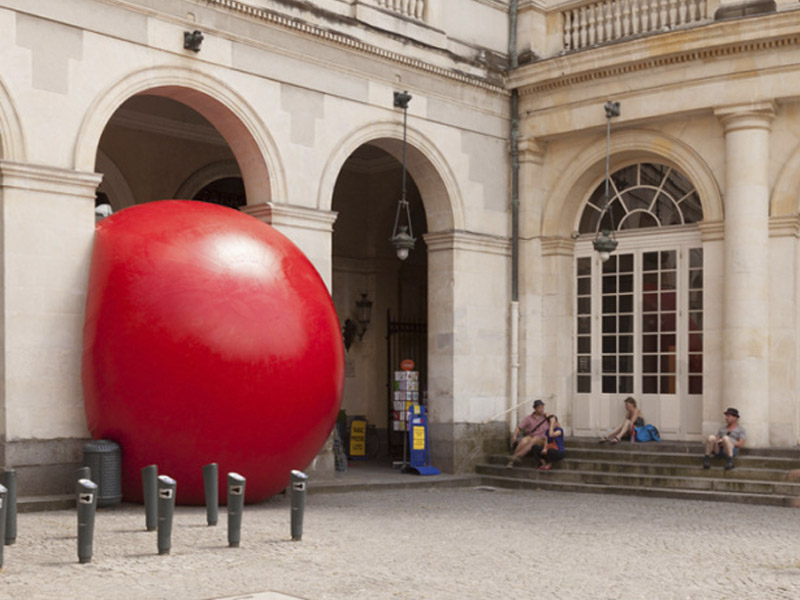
(104, 459)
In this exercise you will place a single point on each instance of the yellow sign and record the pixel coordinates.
(358, 438)
(419, 438)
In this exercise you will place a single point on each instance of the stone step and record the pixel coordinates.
(678, 493)
(42, 503)
(679, 447)
(652, 455)
(682, 470)
(730, 483)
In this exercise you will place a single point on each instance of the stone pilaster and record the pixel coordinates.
(746, 299)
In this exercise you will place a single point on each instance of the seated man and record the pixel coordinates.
(727, 442)
(529, 433)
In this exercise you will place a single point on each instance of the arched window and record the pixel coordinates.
(643, 195)
(639, 316)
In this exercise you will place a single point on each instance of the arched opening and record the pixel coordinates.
(152, 146)
(365, 198)
(639, 315)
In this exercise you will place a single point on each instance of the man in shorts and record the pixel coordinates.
(727, 442)
(529, 433)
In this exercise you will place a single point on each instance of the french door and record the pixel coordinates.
(639, 332)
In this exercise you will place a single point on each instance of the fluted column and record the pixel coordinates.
(745, 355)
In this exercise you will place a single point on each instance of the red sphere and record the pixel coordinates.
(209, 337)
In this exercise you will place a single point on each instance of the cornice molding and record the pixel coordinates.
(753, 115)
(467, 241)
(292, 216)
(48, 180)
(287, 22)
(658, 51)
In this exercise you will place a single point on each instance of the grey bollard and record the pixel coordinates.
(299, 480)
(211, 487)
(9, 481)
(166, 509)
(3, 497)
(150, 496)
(87, 507)
(236, 485)
(83, 473)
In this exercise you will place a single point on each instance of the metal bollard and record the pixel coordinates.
(298, 503)
(83, 473)
(166, 508)
(150, 496)
(9, 480)
(211, 486)
(3, 496)
(236, 485)
(87, 507)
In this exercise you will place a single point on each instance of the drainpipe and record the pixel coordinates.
(513, 400)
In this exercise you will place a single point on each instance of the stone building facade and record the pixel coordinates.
(285, 110)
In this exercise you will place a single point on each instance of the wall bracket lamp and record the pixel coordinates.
(357, 328)
(192, 40)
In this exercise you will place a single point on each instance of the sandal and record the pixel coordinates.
(614, 440)
(546, 467)
(602, 440)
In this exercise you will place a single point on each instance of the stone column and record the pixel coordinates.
(310, 229)
(746, 304)
(468, 355)
(46, 242)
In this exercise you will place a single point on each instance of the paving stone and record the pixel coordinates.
(437, 543)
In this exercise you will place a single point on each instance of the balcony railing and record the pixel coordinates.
(414, 9)
(602, 22)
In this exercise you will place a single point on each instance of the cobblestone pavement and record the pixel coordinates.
(425, 543)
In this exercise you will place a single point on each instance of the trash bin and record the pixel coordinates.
(104, 459)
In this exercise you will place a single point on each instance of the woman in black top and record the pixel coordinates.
(633, 418)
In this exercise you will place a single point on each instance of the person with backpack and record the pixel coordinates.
(633, 418)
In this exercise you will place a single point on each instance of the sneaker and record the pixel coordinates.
(706, 462)
(729, 465)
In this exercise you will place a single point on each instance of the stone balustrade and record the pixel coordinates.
(414, 9)
(592, 23)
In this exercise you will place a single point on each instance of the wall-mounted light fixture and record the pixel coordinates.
(402, 235)
(351, 328)
(605, 240)
(192, 40)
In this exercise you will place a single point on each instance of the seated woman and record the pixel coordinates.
(633, 418)
(553, 450)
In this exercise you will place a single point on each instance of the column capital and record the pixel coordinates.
(48, 180)
(467, 241)
(292, 216)
(748, 115)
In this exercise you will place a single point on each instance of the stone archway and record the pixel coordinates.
(254, 150)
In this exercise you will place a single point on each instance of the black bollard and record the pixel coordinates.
(298, 504)
(166, 508)
(150, 496)
(87, 507)
(236, 485)
(211, 487)
(9, 480)
(3, 497)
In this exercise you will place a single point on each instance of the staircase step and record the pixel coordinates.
(642, 468)
(679, 447)
(726, 484)
(678, 493)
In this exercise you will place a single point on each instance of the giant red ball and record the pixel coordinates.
(209, 337)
